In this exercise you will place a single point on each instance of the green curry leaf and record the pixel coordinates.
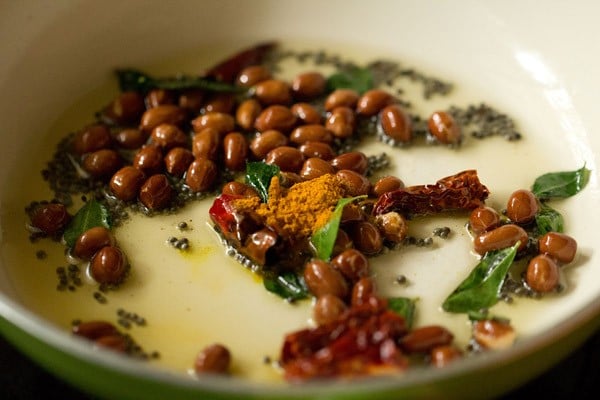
(92, 214)
(481, 289)
(287, 285)
(259, 175)
(405, 307)
(359, 79)
(548, 219)
(561, 184)
(135, 80)
(324, 239)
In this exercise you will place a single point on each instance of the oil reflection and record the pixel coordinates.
(561, 102)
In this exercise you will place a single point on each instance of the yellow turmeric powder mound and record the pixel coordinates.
(299, 211)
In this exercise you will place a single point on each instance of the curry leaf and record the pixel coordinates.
(561, 184)
(404, 307)
(287, 285)
(135, 80)
(92, 214)
(359, 79)
(481, 289)
(259, 175)
(479, 315)
(324, 239)
(548, 219)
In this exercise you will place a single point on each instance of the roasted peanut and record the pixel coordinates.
(328, 308)
(191, 100)
(366, 237)
(387, 184)
(341, 122)
(116, 343)
(92, 240)
(317, 149)
(273, 91)
(396, 123)
(355, 161)
(444, 128)
(352, 264)
(149, 159)
(373, 101)
(425, 338)
(352, 213)
(542, 274)
(287, 179)
(559, 246)
(156, 193)
(493, 334)
(287, 158)
(163, 114)
(362, 291)
(157, 97)
(102, 163)
(258, 244)
(206, 144)
(308, 85)
(177, 161)
(168, 136)
(108, 265)
(341, 98)
(342, 242)
(315, 167)
(131, 138)
(92, 138)
(235, 188)
(250, 76)
(276, 117)
(126, 108)
(500, 238)
(306, 113)
(93, 330)
(125, 184)
(354, 183)
(201, 175)
(393, 226)
(443, 355)
(247, 112)
(311, 133)
(220, 103)
(50, 218)
(213, 359)
(522, 206)
(221, 122)
(483, 219)
(322, 279)
(262, 144)
(235, 151)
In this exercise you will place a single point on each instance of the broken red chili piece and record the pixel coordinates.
(362, 341)
(462, 191)
(234, 225)
(222, 213)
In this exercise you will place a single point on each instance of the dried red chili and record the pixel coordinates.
(462, 191)
(361, 342)
(228, 70)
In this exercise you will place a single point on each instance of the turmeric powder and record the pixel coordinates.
(299, 211)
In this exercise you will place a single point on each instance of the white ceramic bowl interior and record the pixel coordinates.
(537, 64)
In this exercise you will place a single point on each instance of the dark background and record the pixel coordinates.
(575, 377)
